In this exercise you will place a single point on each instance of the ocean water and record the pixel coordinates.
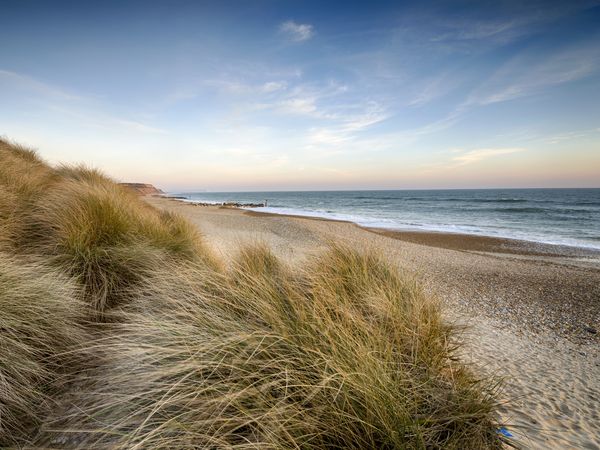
(556, 216)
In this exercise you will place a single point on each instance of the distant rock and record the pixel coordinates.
(142, 188)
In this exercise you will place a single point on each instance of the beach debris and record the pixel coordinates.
(591, 330)
(504, 432)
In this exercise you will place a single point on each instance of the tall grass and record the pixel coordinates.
(104, 237)
(345, 354)
(87, 224)
(40, 321)
(23, 177)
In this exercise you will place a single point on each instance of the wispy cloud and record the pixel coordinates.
(483, 26)
(297, 32)
(273, 86)
(305, 106)
(27, 83)
(520, 77)
(312, 100)
(428, 92)
(84, 109)
(571, 135)
(460, 158)
(135, 126)
(481, 154)
(347, 131)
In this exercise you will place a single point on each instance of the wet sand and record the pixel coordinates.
(532, 310)
(473, 243)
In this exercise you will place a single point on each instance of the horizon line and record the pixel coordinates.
(204, 191)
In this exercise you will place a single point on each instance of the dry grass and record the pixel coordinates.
(87, 224)
(23, 177)
(346, 354)
(40, 320)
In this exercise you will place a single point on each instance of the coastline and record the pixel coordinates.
(442, 239)
(557, 221)
(462, 241)
(533, 320)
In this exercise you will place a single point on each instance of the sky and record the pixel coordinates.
(308, 95)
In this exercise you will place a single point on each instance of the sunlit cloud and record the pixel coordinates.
(474, 156)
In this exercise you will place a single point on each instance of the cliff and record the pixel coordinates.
(142, 188)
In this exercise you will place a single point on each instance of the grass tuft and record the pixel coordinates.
(39, 322)
(103, 235)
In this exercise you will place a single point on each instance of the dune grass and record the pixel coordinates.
(104, 237)
(85, 223)
(23, 177)
(40, 321)
(344, 352)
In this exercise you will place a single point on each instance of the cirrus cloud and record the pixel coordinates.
(481, 154)
(297, 32)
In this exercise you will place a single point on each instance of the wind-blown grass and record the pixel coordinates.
(345, 354)
(40, 320)
(98, 232)
(23, 177)
(87, 224)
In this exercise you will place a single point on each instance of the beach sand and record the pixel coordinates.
(532, 311)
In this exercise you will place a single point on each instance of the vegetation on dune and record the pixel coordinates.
(105, 239)
(343, 353)
(40, 322)
(23, 177)
(87, 224)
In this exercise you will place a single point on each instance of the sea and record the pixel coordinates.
(554, 216)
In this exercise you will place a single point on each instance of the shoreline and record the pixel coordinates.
(458, 241)
(478, 241)
(437, 238)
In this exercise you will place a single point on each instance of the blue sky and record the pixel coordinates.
(278, 95)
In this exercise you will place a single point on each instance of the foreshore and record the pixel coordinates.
(533, 310)
(467, 242)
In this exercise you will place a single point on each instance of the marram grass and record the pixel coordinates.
(87, 224)
(344, 352)
(40, 323)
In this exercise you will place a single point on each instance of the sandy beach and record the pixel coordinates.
(532, 310)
